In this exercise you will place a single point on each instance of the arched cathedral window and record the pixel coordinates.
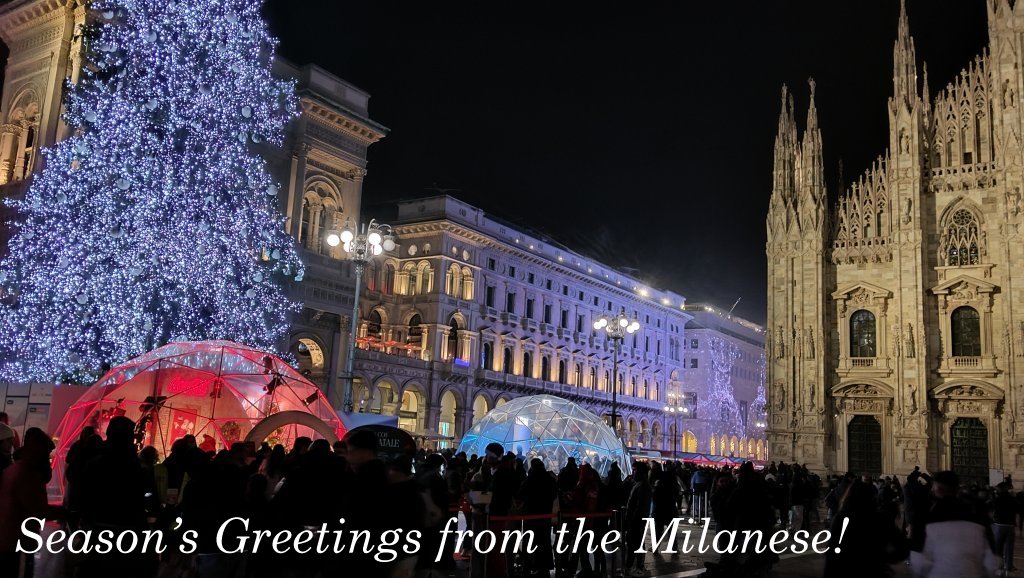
(966, 332)
(862, 334)
(962, 246)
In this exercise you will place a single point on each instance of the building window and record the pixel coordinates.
(489, 296)
(693, 344)
(511, 271)
(579, 324)
(966, 328)
(564, 321)
(743, 413)
(565, 290)
(581, 295)
(527, 364)
(529, 278)
(529, 308)
(593, 378)
(578, 377)
(548, 284)
(693, 363)
(487, 357)
(962, 244)
(596, 301)
(862, 334)
(561, 371)
(545, 368)
(506, 360)
(510, 303)
(547, 313)
(491, 264)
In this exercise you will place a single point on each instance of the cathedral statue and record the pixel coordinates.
(908, 341)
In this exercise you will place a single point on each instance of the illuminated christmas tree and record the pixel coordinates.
(718, 408)
(157, 219)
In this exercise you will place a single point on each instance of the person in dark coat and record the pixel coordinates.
(638, 508)
(868, 537)
(114, 498)
(538, 494)
(23, 495)
(430, 481)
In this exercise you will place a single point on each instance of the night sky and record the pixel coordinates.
(640, 134)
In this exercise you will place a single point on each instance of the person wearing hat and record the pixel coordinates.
(6, 446)
(23, 495)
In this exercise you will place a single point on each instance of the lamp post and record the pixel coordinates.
(361, 245)
(675, 408)
(617, 328)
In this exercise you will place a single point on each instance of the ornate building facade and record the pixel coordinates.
(469, 312)
(746, 375)
(895, 330)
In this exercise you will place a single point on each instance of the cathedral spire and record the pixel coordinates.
(785, 150)
(904, 63)
(811, 157)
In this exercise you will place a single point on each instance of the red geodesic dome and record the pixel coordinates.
(218, 389)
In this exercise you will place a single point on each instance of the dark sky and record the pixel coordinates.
(639, 133)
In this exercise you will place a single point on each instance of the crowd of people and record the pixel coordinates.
(942, 528)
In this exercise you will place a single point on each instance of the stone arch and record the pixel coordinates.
(458, 319)
(632, 431)
(407, 279)
(449, 405)
(689, 442)
(759, 452)
(310, 353)
(411, 408)
(481, 405)
(502, 400)
(468, 291)
(453, 280)
(656, 436)
(424, 278)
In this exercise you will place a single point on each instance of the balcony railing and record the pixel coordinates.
(967, 362)
(863, 361)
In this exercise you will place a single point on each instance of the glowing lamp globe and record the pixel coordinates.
(333, 240)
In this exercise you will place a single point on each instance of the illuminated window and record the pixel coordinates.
(862, 334)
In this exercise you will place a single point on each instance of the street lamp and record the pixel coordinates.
(675, 409)
(616, 328)
(361, 246)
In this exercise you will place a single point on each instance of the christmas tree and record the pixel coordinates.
(156, 220)
(719, 408)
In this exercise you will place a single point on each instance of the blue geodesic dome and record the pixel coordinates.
(550, 428)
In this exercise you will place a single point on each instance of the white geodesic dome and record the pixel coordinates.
(550, 428)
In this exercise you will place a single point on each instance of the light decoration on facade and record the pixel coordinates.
(157, 219)
(719, 408)
(759, 409)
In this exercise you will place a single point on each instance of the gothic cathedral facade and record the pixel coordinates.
(896, 316)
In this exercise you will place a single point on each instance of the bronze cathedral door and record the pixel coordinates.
(864, 440)
(969, 444)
